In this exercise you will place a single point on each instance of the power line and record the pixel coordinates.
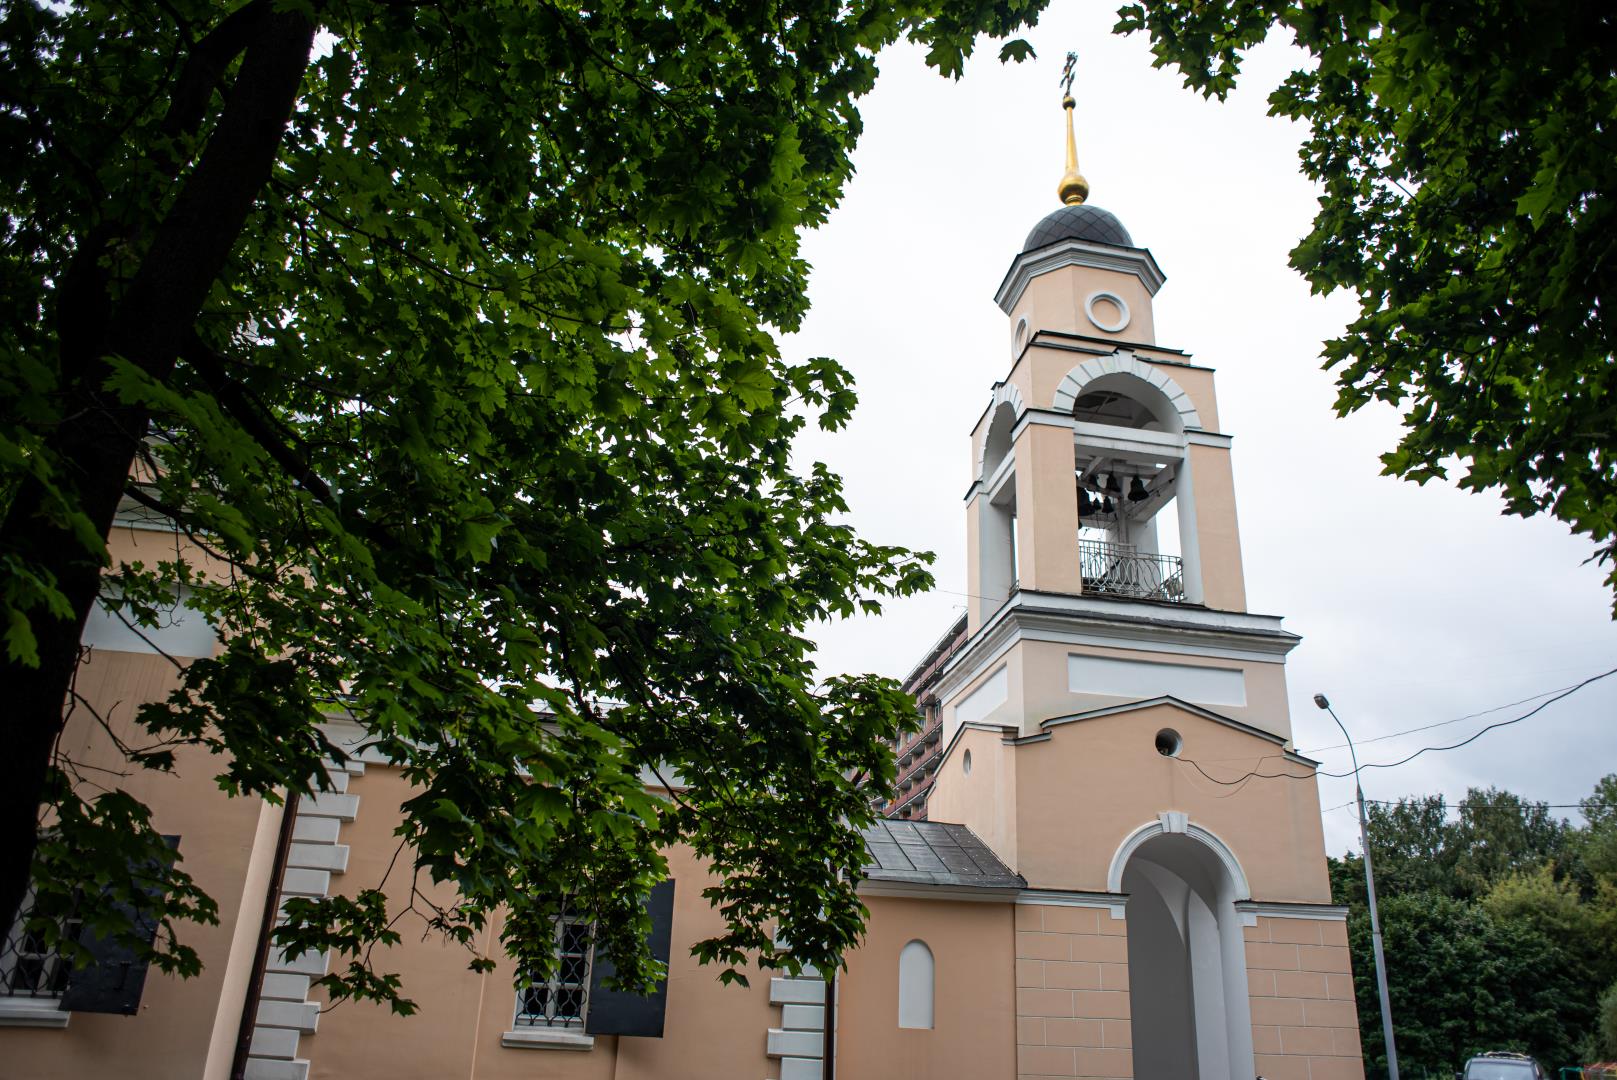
(1559, 695)
(1254, 775)
(1440, 723)
(1568, 692)
(1524, 803)
(1464, 807)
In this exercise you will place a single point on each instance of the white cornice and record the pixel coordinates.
(1113, 903)
(1147, 627)
(1186, 706)
(1282, 910)
(914, 891)
(1030, 264)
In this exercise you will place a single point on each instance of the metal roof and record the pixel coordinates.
(934, 853)
(1080, 222)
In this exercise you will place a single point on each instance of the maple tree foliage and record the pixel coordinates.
(1467, 163)
(446, 333)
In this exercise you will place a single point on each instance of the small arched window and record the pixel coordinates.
(915, 986)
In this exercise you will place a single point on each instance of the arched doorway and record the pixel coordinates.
(1187, 962)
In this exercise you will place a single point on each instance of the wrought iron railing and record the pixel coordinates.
(1121, 570)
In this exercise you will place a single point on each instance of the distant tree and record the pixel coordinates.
(1585, 930)
(443, 333)
(1500, 834)
(1598, 842)
(1491, 943)
(1415, 846)
(1467, 164)
(1462, 982)
(1602, 1044)
(1422, 844)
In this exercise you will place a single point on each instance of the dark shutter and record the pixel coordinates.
(113, 981)
(615, 1012)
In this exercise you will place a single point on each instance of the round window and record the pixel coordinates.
(1107, 311)
(965, 763)
(1169, 742)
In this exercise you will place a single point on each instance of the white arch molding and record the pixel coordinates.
(1171, 822)
(1123, 362)
(1006, 393)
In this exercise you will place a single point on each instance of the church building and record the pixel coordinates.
(1105, 860)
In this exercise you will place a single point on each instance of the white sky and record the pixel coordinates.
(1416, 605)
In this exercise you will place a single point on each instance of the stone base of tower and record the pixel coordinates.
(1305, 1024)
(1072, 991)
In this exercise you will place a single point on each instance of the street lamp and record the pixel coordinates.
(1370, 890)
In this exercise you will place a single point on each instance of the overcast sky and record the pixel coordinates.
(1415, 605)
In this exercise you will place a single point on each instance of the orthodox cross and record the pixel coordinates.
(1067, 74)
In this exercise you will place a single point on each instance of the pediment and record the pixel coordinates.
(1168, 701)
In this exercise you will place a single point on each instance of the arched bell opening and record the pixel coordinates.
(997, 443)
(1135, 513)
(997, 540)
(1187, 962)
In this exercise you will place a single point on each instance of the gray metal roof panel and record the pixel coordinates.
(934, 853)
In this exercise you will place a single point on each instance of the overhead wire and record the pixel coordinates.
(1465, 807)
(1440, 723)
(1540, 707)
(1558, 696)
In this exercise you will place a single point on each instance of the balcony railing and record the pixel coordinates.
(1120, 570)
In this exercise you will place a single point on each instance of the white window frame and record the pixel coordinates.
(543, 1030)
(32, 1006)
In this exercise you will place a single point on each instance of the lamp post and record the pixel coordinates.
(1370, 891)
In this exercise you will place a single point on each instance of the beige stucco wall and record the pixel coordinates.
(1197, 383)
(1082, 792)
(1217, 533)
(1037, 687)
(1046, 510)
(1055, 301)
(179, 1019)
(711, 1030)
(1072, 993)
(1305, 1023)
(978, 608)
(1045, 692)
(985, 800)
(974, 1003)
(1007, 712)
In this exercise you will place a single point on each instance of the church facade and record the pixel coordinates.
(1107, 861)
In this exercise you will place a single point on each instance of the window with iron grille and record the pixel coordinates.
(31, 967)
(561, 1000)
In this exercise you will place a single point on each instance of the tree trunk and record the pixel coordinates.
(97, 442)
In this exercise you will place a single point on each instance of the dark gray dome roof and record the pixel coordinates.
(1080, 222)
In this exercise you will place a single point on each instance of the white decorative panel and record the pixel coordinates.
(1138, 679)
(181, 632)
(985, 699)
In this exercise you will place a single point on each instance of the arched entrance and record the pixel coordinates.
(1187, 959)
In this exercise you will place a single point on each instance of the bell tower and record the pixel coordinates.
(1112, 720)
(1102, 499)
